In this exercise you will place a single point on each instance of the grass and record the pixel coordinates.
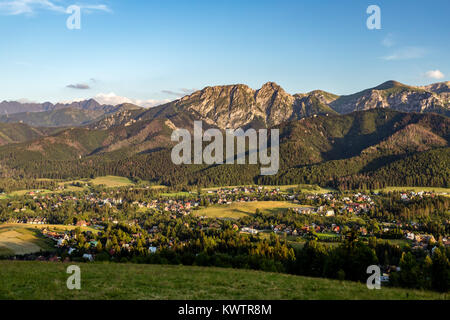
(112, 181)
(305, 188)
(24, 192)
(6, 251)
(238, 210)
(157, 187)
(416, 189)
(22, 240)
(17, 238)
(107, 181)
(285, 188)
(52, 227)
(176, 194)
(44, 280)
(400, 242)
(327, 235)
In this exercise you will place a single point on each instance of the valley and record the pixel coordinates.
(232, 156)
(355, 187)
(269, 228)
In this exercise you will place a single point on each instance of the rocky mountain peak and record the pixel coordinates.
(238, 105)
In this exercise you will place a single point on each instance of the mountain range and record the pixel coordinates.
(58, 115)
(234, 106)
(388, 135)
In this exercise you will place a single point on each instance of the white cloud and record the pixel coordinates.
(181, 93)
(113, 99)
(79, 86)
(16, 7)
(100, 7)
(406, 54)
(434, 74)
(388, 41)
(24, 100)
(28, 7)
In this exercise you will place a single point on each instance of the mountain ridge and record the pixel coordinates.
(238, 105)
(67, 115)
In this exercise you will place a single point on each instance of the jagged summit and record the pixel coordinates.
(238, 105)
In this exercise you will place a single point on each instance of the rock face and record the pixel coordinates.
(239, 106)
(397, 96)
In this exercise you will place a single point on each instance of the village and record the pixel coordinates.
(326, 206)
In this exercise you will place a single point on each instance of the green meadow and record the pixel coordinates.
(306, 188)
(238, 210)
(416, 189)
(17, 239)
(22, 239)
(45, 280)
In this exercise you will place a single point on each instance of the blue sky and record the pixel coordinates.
(153, 51)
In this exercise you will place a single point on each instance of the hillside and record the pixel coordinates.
(41, 280)
(17, 132)
(317, 150)
(322, 139)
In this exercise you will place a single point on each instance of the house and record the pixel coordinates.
(304, 210)
(81, 223)
(410, 236)
(88, 256)
(249, 230)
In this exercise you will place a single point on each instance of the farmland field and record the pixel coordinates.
(52, 227)
(175, 194)
(22, 240)
(416, 189)
(112, 181)
(16, 238)
(107, 181)
(284, 188)
(44, 280)
(24, 192)
(238, 210)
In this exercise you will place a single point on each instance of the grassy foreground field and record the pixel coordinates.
(43, 280)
